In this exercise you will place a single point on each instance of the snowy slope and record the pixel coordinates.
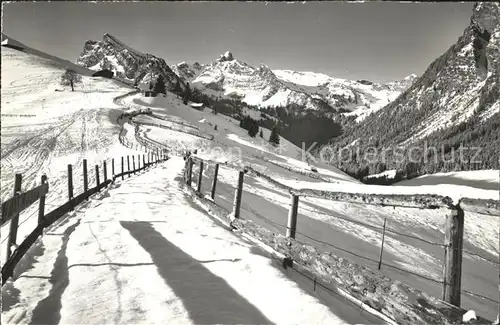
(231, 144)
(480, 179)
(51, 60)
(156, 259)
(268, 206)
(45, 126)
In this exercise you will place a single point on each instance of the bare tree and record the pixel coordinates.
(70, 78)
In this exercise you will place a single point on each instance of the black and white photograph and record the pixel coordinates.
(239, 162)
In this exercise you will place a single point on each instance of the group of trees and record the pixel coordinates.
(304, 128)
(470, 145)
(159, 86)
(252, 126)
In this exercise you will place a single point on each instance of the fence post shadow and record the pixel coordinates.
(208, 298)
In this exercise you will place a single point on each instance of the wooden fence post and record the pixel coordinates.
(70, 182)
(214, 183)
(123, 167)
(133, 163)
(14, 222)
(113, 168)
(292, 217)
(97, 176)
(105, 170)
(143, 160)
(128, 164)
(139, 162)
(237, 196)
(454, 234)
(41, 205)
(190, 171)
(382, 246)
(200, 177)
(85, 176)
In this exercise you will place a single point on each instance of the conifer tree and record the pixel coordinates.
(274, 138)
(187, 94)
(160, 87)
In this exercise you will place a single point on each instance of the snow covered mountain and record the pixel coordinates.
(263, 87)
(360, 97)
(232, 78)
(456, 101)
(125, 62)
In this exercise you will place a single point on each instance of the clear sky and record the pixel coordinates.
(378, 41)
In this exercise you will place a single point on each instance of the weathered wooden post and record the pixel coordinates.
(113, 168)
(292, 216)
(382, 246)
(144, 160)
(97, 177)
(133, 163)
(41, 205)
(139, 162)
(454, 235)
(214, 183)
(200, 177)
(85, 176)
(128, 165)
(123, 167)
(14, 222)
(70, 182)
(237, 195)
(105, 170)
(190, 171)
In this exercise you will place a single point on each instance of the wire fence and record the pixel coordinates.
(258, 201)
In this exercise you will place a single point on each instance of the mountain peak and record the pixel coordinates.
(227, 56)
(108, 38)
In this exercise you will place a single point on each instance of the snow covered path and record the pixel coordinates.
(141, 252)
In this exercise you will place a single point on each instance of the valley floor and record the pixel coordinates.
(136, 256)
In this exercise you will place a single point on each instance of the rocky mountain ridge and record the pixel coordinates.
(455, 102)
(262, 87)
(127, 63)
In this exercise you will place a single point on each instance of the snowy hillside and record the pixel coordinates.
(479, 179)
(267, 205)
(8, 42)
(143, 251)
(125, 62)
(46, 126)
